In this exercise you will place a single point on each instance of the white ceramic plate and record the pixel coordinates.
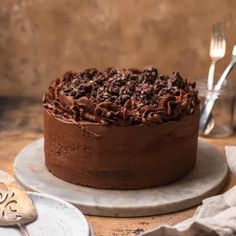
(55, 218)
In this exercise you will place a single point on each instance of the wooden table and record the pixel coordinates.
(21, 124)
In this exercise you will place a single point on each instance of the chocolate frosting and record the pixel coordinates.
(121, 97)
(123, 157)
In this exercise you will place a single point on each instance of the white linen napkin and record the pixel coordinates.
(216, 215)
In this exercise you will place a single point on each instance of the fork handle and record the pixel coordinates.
(210, 80)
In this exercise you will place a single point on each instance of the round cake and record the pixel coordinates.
(121, 129)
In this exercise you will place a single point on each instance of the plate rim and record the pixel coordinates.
(67, 204)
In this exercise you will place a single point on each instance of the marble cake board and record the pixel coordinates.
(207, 179)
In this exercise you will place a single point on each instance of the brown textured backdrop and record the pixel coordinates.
(40, 39)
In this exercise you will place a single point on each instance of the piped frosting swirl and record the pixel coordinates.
(121, 97)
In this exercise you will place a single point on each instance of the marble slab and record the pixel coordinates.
(207, 179)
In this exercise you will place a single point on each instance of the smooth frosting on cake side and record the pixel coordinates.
(100, 138)
(132, 157)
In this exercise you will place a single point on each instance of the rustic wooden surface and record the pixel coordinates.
(21, 124)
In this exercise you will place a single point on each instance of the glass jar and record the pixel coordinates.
(221, 120)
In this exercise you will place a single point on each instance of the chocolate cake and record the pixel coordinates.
(121, 129)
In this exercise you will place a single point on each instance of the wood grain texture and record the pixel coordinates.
(15, 134)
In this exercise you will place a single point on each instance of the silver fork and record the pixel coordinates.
(217, 51)
(210, 101)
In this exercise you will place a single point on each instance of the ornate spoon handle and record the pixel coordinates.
(23, 230)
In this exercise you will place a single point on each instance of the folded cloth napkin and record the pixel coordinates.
(216, 215)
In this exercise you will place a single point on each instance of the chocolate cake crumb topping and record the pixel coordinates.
(121, 97)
